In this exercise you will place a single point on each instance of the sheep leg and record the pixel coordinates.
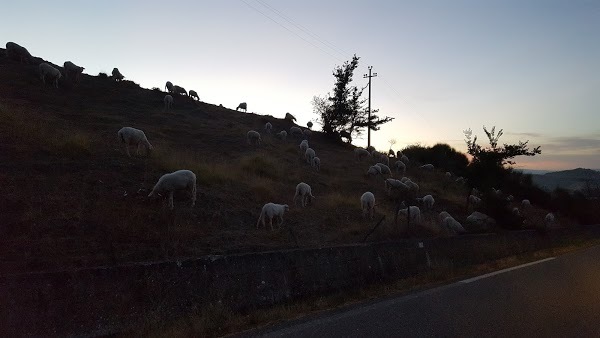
(193, 194)
(171, 206)
(137, 152)
(271, 222)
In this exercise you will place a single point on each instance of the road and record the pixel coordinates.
(554, 297)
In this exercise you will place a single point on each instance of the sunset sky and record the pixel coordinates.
(531, 68)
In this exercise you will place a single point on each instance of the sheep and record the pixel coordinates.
(367, 204)
(243, 106)
(525, 204)
(398, 154)
(309, 124)
(303, 191)
(414, 188)
(73, 69)
(316, 163)
(168, 101)
(303, 146)
(427, 201)
(295, 131)
(549, 219)
(400, 166)
(475, 192)
(47, 70)
(415, 213)
(385, 170)
(427, 167)
(373, 171)
(443, 215)
(309, 155)
(282, 135)
(404, 159)
(453, 225)
(14, 51)
(474, 201)
(290, 117)
(448, 174)
(136, 137)
(307, 133)
(271, 210)
(179, 90)
(178, 180)
(361, 153)
(268, 128)
(193, 95)
(253, 138)
(510, 198)
(375, 154)
(169, 87)
(391, 183)
(460, 180)
(515, 211)
(116, 74)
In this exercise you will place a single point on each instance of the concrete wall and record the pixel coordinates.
(103, 300)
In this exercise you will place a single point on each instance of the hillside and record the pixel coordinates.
(72, 198)
(575, 179)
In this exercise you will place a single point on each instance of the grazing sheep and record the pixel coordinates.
(515, 211)
(49, 71)
(427, 201)
(168, 101)
(376, 155)
(415, 214)
(453, 225)
(480, 222)
(271, 210)
(307, 133)
(385, 170)
(443, 215)
(303, 146)
(295, 131)
(525, 204)
(361, 153)
(73, 69)
(303, 191)
(243, 106)
(448, 174)
(178, 180)
(309, 124)
(367, 204)
(179, 90)
(268, 127)
(428, 167)
(373, 171)
(253, 138)
(135, 137)
(16, 52)
(474, 201)
(169, 87)
(414, 188)
(193, 95)
(400, 166)
(460, 180)
(316, 163)
(282, 135)
(116, 74)
(309, 155)
(549, 219)
(404, 159)
(391, 183)
(290, 117)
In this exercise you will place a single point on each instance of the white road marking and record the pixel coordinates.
(471, 280)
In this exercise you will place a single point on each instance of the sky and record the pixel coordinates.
(529, 67)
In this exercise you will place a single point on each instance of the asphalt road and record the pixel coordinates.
(555, 297)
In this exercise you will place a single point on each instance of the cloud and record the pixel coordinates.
(572, 145)
(528, 134)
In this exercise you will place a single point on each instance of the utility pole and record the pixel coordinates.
(369, 126)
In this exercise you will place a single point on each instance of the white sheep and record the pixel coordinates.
(303, 146)
(415, 214)
(427, 167)
(179, 90)
(414, 188)
(46, 70)
(282, 135)
(116, 74)
(373, 171)
(367, 204)
(295, 131)
(193, 95)
(453, 225)
(525, 204)
(361, 153)
(309, 155)
(243, 106)
(391, 183)
(253, 138)
(448, 174)
(15, 51)
(175, 181)
(309, 124)
(474, 201)
(169, 87)
(73, 70)
(460, 180)
(404, 159)
(400, 166)
(289, 117)
(443, 215)
(427, 201)
(168, 101)
(316, 163)
(135, 137)
(268, 127)
(515, 211)
(271, 210)
(385, 170)
(303, 191)
(549, 219)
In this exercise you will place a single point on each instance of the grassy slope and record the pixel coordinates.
(72, 198)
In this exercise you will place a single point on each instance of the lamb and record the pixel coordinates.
(367, 204)
(303, 146)
(282, 135)
(309, 155)
(271, 210)
(428, 167)
(253, 138)
(73, 69)
(169, 87)
(295, 131)
(549, 219)
(404, 159)
(361, 153)
(427, 201)
(179, 90)
(168, 101)
(415, 213)
(178, 180)
(303, 191)
(400, 166)
(47, 70)
(14, 51)
(290, 117)
(243, 106)
(116, 74)
(385, 170)
(136, 137)
(525, 204)
(193, 95)
(309, 124)
(268, 127)
(316, 163)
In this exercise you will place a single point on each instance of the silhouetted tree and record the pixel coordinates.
(344, 109)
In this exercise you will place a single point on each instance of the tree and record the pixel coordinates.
(344, 111)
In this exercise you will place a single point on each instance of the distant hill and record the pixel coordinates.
(575, 179)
